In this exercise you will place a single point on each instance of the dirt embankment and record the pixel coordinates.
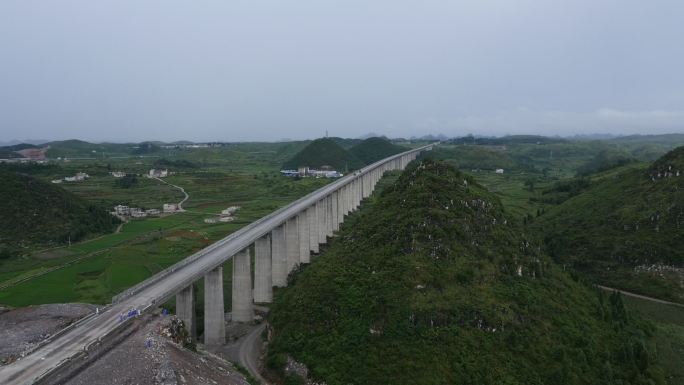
(23, 329)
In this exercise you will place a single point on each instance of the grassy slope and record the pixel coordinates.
(624, 221)
(322, 152)
(422, 288)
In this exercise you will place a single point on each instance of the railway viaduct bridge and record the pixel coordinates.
(280, 241)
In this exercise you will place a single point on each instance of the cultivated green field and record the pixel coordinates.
(94, 270)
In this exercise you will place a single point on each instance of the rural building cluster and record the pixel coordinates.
(125, 212)
(79, 177)
(226, 215)
(303, 172)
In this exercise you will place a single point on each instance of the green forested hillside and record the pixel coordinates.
(627, 230)
(373, 149)
(37, 212)
(324, 152)
(8, 152)
(432, 283)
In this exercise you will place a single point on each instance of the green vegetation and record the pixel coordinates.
(668, 338)
(169, 163)
(434, 282)
(37, 212)
(324, 152)
(128, 181)
(374, 149)
(624, 230)
(242, 174)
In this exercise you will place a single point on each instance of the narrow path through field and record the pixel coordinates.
(180, 204)
(640, 296)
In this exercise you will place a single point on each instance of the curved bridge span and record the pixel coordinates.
(280, 241)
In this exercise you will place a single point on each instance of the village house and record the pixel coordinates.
(170, 207)
(158, 173)
(122, 210)
(137, 213)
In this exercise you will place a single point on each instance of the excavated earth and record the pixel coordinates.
(21, 330)
(149, 356)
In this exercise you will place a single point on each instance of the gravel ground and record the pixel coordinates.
(149, 357)
(24, 328)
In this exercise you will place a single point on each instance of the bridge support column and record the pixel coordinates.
(242, 310)
(343, 202)
(263, 280)
(313, 228)
(329, 216)
(303, 232)
(320, 210)
(335, 211)
(214, 313)
(185, 310)
(292, 243)
(279, 257)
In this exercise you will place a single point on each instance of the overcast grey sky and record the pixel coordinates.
(237, 70)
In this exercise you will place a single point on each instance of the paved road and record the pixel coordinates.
(156, 290)
(249, 352)
(180, 204)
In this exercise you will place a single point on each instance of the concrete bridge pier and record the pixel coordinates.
(312, 217)
(342, 203)
(242, 310)
(185, 310)
(303, 233)
(292, 243)
(278, 257)
(214, 313)
(335, 211)
(263, 280)
(345, 198)
(320, 210)
(329, 216)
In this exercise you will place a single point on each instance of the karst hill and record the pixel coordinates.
(433, 283)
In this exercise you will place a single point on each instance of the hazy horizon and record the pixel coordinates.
(129, 71)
